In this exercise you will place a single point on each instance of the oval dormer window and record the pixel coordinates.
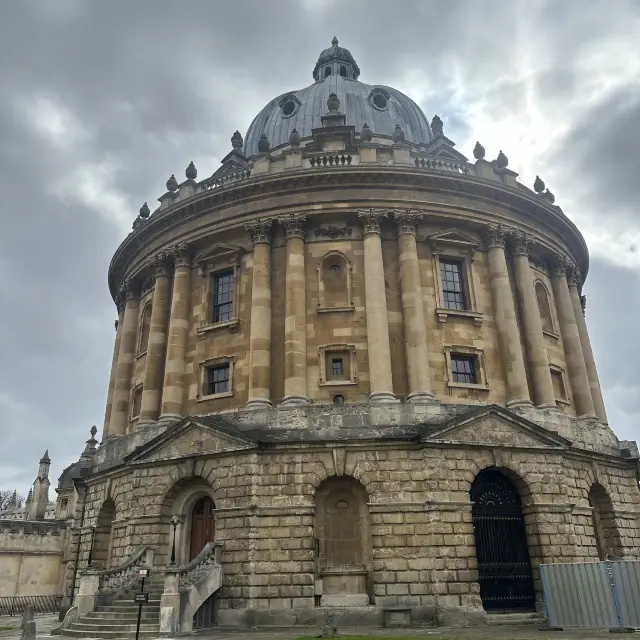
(379, 99)
(288, 108)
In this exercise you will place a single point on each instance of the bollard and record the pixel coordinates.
(28, 625)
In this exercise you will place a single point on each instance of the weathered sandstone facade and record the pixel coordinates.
(344, 357)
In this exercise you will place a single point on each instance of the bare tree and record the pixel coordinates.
(10, 498)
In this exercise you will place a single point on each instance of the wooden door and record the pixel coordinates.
(202, 526)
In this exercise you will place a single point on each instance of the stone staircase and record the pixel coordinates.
(118, 620)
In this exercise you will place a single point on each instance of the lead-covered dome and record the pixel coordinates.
(336, 71)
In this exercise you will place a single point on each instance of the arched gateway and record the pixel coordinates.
(506, 583)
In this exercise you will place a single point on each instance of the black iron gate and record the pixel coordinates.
(205, 616)
(506, 583)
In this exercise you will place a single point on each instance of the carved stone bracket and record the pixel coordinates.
(181, 255)
(260, 231)
(407, 221)
(371, 219)
(495, 236)
(294, 225)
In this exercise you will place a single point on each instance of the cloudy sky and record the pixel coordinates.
(101, 101)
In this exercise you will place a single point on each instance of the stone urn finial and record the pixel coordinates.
(145, 211)
(333, 102)
(334, 42)
(549, 196)
(294, 138)
(172, 184)
(538, 185)
(398, 134)
(502, 161)
(191, 172)
(237, 141)
(366, 135)
(478, 151)
(437, 126)
(263, 144)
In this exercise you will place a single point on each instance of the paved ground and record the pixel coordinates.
(10, 630)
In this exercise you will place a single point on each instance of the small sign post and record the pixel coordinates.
(141, 598)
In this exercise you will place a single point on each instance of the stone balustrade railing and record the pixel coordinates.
(221, 181)
(439, 164)
(122, 577)
(329, 160)
(197, 570)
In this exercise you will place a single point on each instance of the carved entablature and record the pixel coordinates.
(333, 232)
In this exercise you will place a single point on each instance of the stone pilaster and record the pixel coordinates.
(260, 340)
(122, 388)
(571, 340)
(378, 348)
(534, 344)
(574, 281)
(173, 392)
(506, 323)
(295, 324)
(157, 345)
(114, 366)
(415, 334)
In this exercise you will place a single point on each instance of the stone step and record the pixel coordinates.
(129, 608)
(147, 616)
(109, 635)
(91, 628)
(525, 618)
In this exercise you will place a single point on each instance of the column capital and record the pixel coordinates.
(521, 243)
(559, 264)
(181, 254)
(115, 324)
(129, 289)
(371, 219)
(407, 221)
(574, 275)
(260, 231)
(583, 305)
(161, 263)
(294, 224)
(120, 301)
(495, 236)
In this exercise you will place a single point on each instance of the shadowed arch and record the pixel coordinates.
(606, 534)
(145, 327)
(103, 535)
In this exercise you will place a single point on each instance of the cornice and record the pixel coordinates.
(374, 178)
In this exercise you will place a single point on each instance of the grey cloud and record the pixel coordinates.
(154, 84)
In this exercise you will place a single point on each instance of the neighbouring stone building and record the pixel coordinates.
(360, 363)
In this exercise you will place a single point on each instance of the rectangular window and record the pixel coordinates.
(558, 385)
(463, 369)
(137, 402)
(218, 379)
(453, 294)
(223, 297)
(336, 366)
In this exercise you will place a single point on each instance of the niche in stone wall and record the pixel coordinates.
(334, 283)
(143, 331)
(544, 307)
(607, 536)
(103, 535)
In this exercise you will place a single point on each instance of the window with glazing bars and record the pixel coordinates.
(218, 379)
(223, 296)
(463, 369)
(452, 284)
(336, 366)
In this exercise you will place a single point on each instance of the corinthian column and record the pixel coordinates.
(575, 279)
(295, 323)
(114, 366)
(535, 348)
(174, 370)
(415, 334)
(378, 349)
(122, 387)
(157, 345)
(506, 324)
(260, 341)
(571, 341)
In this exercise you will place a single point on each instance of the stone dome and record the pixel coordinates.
(379, 106)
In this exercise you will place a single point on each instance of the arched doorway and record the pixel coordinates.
(102, 536)
(504, 567)
(202, 525)
(343, 542)
(605, 530)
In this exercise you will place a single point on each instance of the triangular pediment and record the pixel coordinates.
(220, 251)
(193, 436)
(496, 427)
(453, 237)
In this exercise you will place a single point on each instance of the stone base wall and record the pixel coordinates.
(422, 545)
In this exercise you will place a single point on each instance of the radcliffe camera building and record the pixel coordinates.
(357, 363)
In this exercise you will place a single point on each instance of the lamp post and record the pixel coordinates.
(174, 522)
(93, 535)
